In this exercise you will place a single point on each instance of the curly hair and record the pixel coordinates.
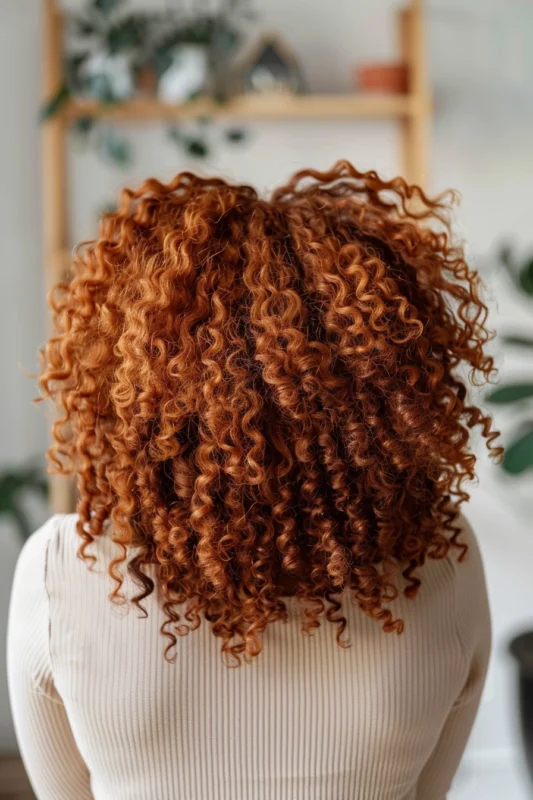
(253, 389)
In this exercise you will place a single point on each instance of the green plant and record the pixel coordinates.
(14, 483)
(114, 47)
(519, 454)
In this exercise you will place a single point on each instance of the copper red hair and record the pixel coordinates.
(258, 388)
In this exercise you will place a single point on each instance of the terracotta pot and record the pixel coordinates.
(147, 81)
(381, 78)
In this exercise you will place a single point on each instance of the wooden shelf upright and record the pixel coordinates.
(412, 111)
(55, 202)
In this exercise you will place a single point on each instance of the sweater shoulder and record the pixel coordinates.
(28, 622)
(472, 602)
(65, 544)
(32, 562)
(46, 553)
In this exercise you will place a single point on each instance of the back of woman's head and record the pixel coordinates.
(255, 389)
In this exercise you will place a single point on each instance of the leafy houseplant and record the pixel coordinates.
(114, 52)
(14, 483)
(518, 459)
(519, 454)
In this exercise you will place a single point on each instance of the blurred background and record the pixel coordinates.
(98, 94)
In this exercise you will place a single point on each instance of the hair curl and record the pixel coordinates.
(254, 389)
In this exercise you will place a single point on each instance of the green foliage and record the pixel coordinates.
(146, 42)
(73, 65)
(512, 393)
(521, 274)
(519, 341)
(84, 26)
(129, 32)
(99, 87)
(235, 135)
(114, 147)
(525, 276)
(55, 103)
(519, 455)
(83, 126)
(13, 484)
(106, 6)
(194, 145)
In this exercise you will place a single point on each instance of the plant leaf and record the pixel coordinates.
(519, 455)
(506, 256)
(115, 148)
(43, 487)
(162, 60)
(6, 496)
(83, 126)
(55, 103)
(175, 134)
(196, 147)
(99, 86)
(511, 393)
(21, 520)
(225, 37)
(525, 277)
(106, 6)
(14, 481)
(235, 135)
(126, 33)
(519, 341)
(72, 70)
(83, 26)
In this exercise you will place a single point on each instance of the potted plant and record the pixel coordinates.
(113, 55)
(14, 484)
(518, 459)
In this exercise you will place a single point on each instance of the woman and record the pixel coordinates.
(264, 404)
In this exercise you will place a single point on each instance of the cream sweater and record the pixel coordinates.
(100, 714)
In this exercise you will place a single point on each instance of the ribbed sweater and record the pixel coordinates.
(99, 713)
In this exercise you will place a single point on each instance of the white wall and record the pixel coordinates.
(481, 145)
(22, 432)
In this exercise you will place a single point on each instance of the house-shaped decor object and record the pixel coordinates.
(268, 65)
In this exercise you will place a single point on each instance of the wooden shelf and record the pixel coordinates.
(411, 111)
(57, 265)
(304, 106)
